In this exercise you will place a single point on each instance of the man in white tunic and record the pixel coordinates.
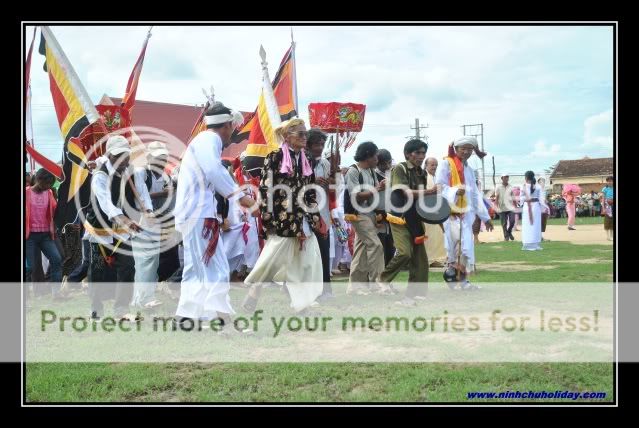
(119, 201)
(457, 181)
(146, 245)
(205, 279)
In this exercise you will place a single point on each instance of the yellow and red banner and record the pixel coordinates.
(79, 124)
(284, 90)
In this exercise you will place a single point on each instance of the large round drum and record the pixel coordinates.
(433, 209)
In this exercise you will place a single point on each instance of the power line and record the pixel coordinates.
(478, 134)
(417, 129)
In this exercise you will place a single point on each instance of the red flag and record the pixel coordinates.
(27, 66)
(131, 88)
(28, 132)
(47, 164)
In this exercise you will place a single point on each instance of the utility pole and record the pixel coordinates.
(472, 131)
(417, 128)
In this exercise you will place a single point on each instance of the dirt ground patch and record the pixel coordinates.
(586, 234)
(583, 261)
(513, 266)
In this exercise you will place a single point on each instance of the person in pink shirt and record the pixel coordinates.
(569, 195)
(40, 230)
(516, 193)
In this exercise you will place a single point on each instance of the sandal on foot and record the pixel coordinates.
(153, 304)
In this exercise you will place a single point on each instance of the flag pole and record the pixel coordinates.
(269, 97)
(294, 73)
(27, 100)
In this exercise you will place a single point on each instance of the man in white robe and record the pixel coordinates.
(205, 278)
(462, 149)
(146, 245)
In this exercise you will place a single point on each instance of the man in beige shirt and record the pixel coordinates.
(505, 207)
(363, 190)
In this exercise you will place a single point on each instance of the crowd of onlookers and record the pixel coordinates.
(587, 205)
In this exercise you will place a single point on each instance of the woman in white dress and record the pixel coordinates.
(530, 197)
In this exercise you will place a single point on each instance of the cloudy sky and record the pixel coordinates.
(543, 93)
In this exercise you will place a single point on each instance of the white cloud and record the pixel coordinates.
(508, 78)
(548, 155)
(598, 132)
(543, 150)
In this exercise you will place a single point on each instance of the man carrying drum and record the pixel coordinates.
(408, 178)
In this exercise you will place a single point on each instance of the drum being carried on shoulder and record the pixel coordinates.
(431, 209)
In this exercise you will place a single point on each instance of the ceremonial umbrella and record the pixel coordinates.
(572, 188)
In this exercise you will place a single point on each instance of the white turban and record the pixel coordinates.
(462, 141)
(235, 117)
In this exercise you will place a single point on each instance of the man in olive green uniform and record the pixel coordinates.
(407, 228)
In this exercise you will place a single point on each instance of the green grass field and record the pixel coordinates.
(578, 221)
(351, 382)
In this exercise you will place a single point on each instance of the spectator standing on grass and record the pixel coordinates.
(40, 229)
(609, 208)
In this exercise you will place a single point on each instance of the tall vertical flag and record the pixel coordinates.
(138, 154)
(79, 122)
(27, 71)
(34, 155)
(132, 86)
(284, 92)
(28, 131)
(262, 139)
(284, 88)
(294, 72)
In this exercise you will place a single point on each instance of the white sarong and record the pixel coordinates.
(205, 289)
(301, 271)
